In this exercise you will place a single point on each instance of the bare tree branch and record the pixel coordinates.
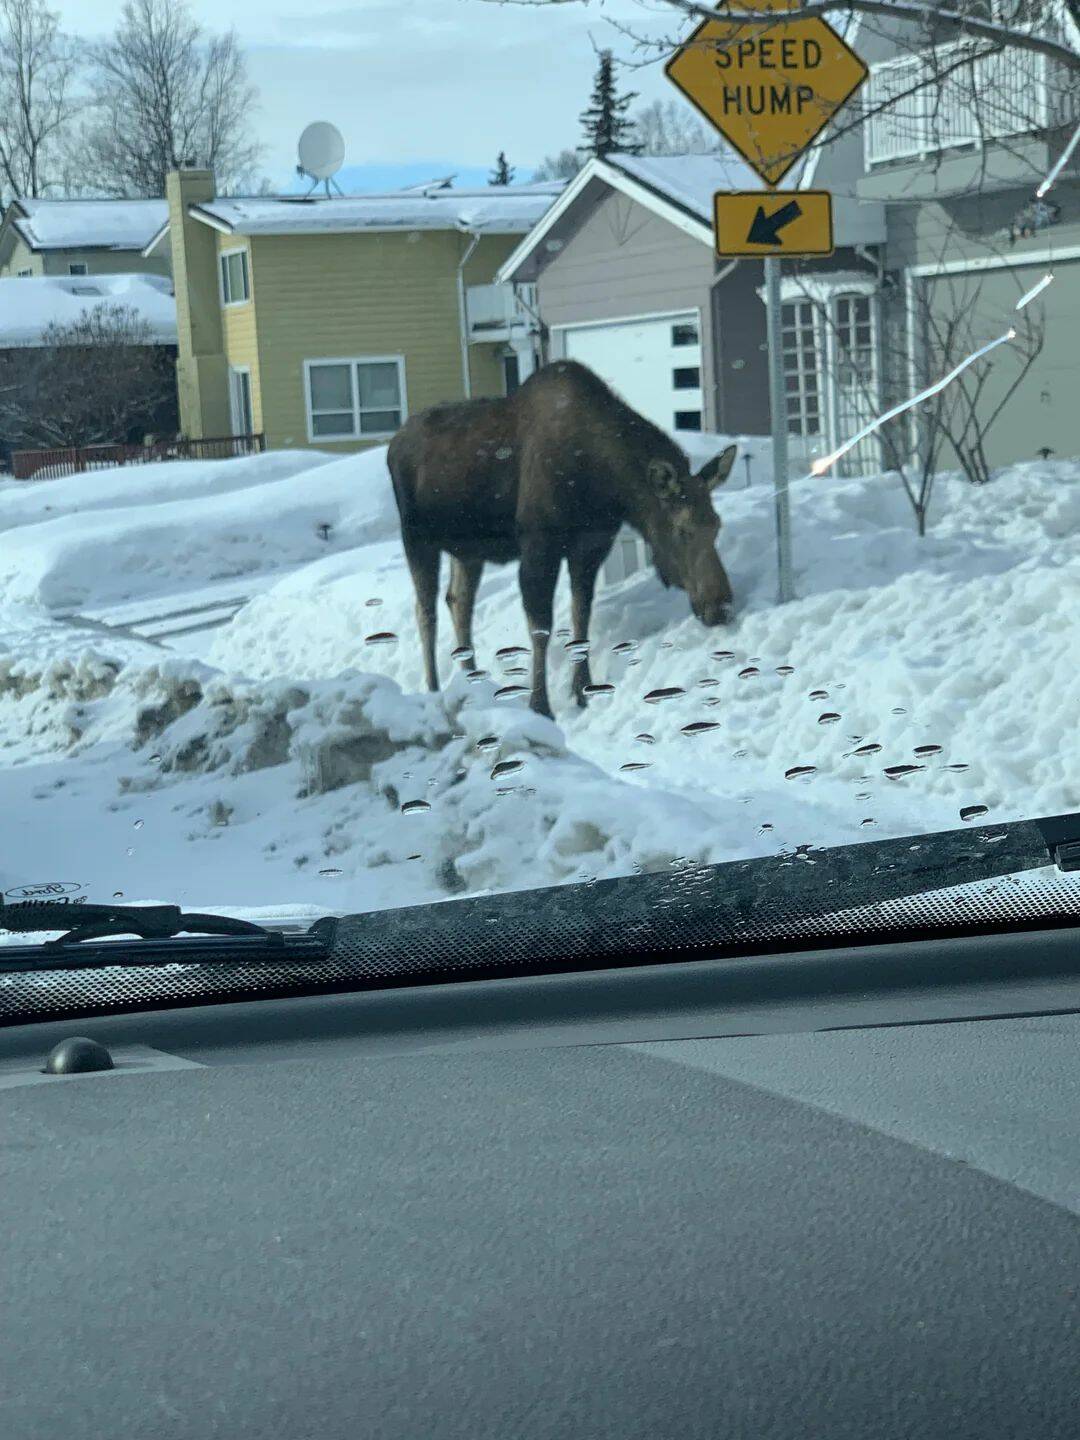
(37, 65)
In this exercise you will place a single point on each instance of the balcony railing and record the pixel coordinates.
(495, 311)
(939, 103)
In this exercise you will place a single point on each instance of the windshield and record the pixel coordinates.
(468, 447)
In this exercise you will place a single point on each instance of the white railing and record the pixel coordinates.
(494, 310)
(938, 103)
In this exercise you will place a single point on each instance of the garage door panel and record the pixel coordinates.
(654, 364)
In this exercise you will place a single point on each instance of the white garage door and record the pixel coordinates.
(654, 364)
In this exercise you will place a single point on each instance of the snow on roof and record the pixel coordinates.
(28, 306)
(495, 209)
(88, 224)
(689, 181)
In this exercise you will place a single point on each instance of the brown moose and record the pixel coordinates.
(549, 473)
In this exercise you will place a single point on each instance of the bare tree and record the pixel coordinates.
(563, 166)
(99, 379)
(166, 93)
(665, 127)
(37, 107)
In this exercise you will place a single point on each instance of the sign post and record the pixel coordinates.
(770, 88)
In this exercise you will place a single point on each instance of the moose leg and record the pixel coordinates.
(424, 560)
(586, 556)
(541, 557)
(461, 598)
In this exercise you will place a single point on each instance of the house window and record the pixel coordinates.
(687, 377)
(235, 283)
(687, 419)
(685, 333)
(511, 374)
(355, 399)
(802, 385)
(243, 421)
(24, 274)
(77, 267)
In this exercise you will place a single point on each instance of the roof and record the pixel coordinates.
(494, 209)
(689, 181)
(28, 306)
(87, 224)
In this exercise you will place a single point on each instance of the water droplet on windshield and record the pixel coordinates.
(723, 655)
(417, 856)
(867, 823)
(139, 824)
(562, 634)
(475, 676)
(636, 765)
(330, 872)
(956, 769)
(785, 670)
(373, 601)
(599, 689)
(645, 738)
(463, 652)
(800, 772)
(899, 710)
(973, 812)
(828, 718)
(872, 749)
(993, 836)
(897, 772)
(510, 652)
(749, 672)
(766, 828)
(381, 637)
(508, 692)
(818, 695)
(700, 727)
(668, 692)
(922, 751)
(707, 684)
(414, 807)
(155, 759)
(487, 742)
(865, 795)
(507, 767)
(623, 647)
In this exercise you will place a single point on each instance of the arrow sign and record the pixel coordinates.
(766, 229)
(792, 223)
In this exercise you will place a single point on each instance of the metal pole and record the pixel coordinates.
(778, 406)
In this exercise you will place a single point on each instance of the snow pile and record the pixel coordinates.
(205, 524)
(29, 305)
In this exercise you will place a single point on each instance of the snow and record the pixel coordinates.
(291, 763)
(89, 224)
(690, 180)
(29, 305)
(495, 209)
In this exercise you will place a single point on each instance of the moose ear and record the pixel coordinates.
(714, 472)
(664, 479)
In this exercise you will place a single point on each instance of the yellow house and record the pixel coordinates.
(326, 321)
(81, 237)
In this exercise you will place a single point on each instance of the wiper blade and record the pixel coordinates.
(95, 922)
(206, 939)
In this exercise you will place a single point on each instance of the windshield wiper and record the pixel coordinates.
(213, 936)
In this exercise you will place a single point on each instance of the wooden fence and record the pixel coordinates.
(50, 464)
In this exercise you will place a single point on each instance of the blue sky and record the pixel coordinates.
(418, 87)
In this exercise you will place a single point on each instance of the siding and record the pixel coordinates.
(21, 258)
(352, 295)
(624, 261)
(240, 330)
(97, 262)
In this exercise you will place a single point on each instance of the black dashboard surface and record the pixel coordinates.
(862, 1233)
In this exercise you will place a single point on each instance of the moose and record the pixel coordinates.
(548, 474)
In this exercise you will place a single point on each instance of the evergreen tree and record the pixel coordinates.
(503, 174)
(607, 126)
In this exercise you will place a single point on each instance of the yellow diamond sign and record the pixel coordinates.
(769, 88)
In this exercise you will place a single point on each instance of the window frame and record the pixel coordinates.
(236, 372)
(78, 268)
(223, 256)
(352, 361)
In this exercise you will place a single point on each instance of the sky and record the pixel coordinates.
(419, 88)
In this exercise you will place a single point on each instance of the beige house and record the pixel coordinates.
(326, 321)
(81, 237)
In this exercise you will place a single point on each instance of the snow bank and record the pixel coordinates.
(217, 528)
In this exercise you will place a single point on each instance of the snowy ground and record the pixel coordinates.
(286, 759)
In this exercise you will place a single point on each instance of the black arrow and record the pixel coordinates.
(766, 228)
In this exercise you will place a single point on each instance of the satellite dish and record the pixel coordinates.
(321, 151)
